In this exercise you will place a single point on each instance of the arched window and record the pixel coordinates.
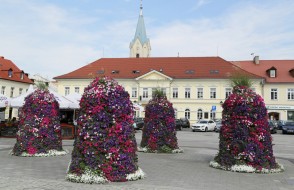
(199, 114)
(187, 113)
(176, 113)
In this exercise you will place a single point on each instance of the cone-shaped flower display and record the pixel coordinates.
(245, 140)
(39, 132)
(105, 149)
(159, 131)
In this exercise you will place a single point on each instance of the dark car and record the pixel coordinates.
(281, 123)
(185, 123)
(218, 126)
(288, 127)
(179, 124)
(273, 127)
(139, 123)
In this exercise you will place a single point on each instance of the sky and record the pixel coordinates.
(54, 37)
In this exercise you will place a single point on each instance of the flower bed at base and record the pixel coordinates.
(147, 150)
(50, 153)
(246, 168)
(92, 177)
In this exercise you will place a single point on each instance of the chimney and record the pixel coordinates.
(256, 60)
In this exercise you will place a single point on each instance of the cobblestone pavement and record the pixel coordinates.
(189, 170)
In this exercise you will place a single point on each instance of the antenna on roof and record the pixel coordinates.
(178, 54)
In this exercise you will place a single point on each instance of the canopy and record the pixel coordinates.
(138, 107)
(64, 103)
(4, 101)
(75, 98)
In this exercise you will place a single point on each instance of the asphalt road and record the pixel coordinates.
(188, 170)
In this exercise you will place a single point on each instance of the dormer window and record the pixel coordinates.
(21, 75)
(10, 73)
(272, 72)
(135, 71)
(291, 72)
(115, 71)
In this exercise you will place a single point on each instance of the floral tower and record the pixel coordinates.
(159, 131)
(245, 143)
(105, 149)
(39, 131)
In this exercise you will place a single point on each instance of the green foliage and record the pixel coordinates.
(41, 85)
(241, 80)
(158, 93)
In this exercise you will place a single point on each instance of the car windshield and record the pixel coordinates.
(203, 121)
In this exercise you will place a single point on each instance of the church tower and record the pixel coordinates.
(140, 45)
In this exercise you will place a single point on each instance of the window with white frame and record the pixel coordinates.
(66, 90)
(187, 92)
(176, 113)
(134, 92)
(3, 90)
(199, 93)
(77, 90)
(11, 92)
(20, 91)
(228, 92)
(145, 92)
(199, 114)
(272, 73)
(274, 94)
(175, 92)
(212, 93)
(187, 113)
(290, 93)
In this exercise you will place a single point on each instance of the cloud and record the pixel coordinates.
(51, 40)
(264, 30)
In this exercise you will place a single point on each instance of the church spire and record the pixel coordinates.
(140, 45)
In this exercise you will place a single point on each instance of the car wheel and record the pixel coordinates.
(206, 129)
(284, 132)
(193, 130)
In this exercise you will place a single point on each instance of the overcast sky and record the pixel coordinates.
(54, 37)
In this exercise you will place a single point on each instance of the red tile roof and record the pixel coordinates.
(6, 65)
(174, 67)
(283, 68)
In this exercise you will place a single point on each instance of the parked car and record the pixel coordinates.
(218, 126)
(179, 124)
(288, 127)
(138, 123)
(185, 122)
(281, 123)
(204, 125)
(273, 127)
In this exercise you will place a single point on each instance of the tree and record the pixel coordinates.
(105, 149)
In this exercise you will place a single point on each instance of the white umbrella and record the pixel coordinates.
(4, 101)
(64, 103)
(19, 101)
(75, 97)
(138, 107)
